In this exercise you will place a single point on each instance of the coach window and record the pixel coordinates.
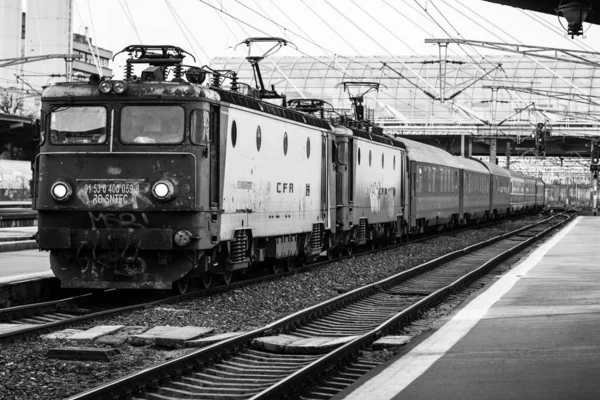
(258, 138)
(152, 124)
(455, 181)
(233, 134)
(359, 156)
(78, 125)
(370, 158)
(200, 128)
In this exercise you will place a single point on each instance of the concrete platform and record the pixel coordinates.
(16, 216)
(21, 265)
(534, 334)
(17, 238)
(17, 233)
(15, 204)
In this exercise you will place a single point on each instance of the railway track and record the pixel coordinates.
(37, 318)
(241, 368)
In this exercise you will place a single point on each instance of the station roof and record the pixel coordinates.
(529, 90)
(549, 7)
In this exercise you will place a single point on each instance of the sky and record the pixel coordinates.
(213, 28)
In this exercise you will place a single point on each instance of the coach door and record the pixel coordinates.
(463, 185)
(214, 157)
(324, 179)
(413, 193)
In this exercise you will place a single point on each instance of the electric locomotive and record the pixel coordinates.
(148, 182)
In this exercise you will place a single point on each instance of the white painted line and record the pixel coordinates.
(397, 376)
(25, 277)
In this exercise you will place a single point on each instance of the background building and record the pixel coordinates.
(90, 62)
(44, 30)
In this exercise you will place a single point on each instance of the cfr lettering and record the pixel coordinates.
(285, 187)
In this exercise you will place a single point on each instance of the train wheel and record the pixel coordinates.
(276, 267)
(207, 280)
(181, 286)
(289, 265)
(228, 277)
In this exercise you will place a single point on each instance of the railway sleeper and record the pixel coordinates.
(197, 396)
(342, 324)
(243, 370)
(258, 367)
(265, 363)
(274, 356)
(204, 383)
(193, 390)
(245, 374)
(230, 379)
(315, 395)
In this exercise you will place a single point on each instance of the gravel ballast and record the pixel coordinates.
(26, 373)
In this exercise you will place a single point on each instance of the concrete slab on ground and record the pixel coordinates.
(150, 336)
(274, 343)
(7, 328)
(121, 336)
(180, 335)
(205, 341)
(387, 342)
(95, 332)
(317, 345)
(298, 345)
(64, 334)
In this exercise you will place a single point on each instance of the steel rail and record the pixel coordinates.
(37, 309)
(206, 356)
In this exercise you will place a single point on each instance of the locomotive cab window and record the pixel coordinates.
(200, 128)
(152, 124)
(78, 125)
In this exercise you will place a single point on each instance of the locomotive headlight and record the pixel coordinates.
(105, 87)
(119, 87)
(61, 191)
(163, 190)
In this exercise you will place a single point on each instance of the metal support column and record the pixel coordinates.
(594, 192)
(470, 147)
(493, 143)
(507, 154)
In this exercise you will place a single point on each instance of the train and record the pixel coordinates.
(152, 183)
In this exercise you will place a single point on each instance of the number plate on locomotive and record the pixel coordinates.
(107, 194)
